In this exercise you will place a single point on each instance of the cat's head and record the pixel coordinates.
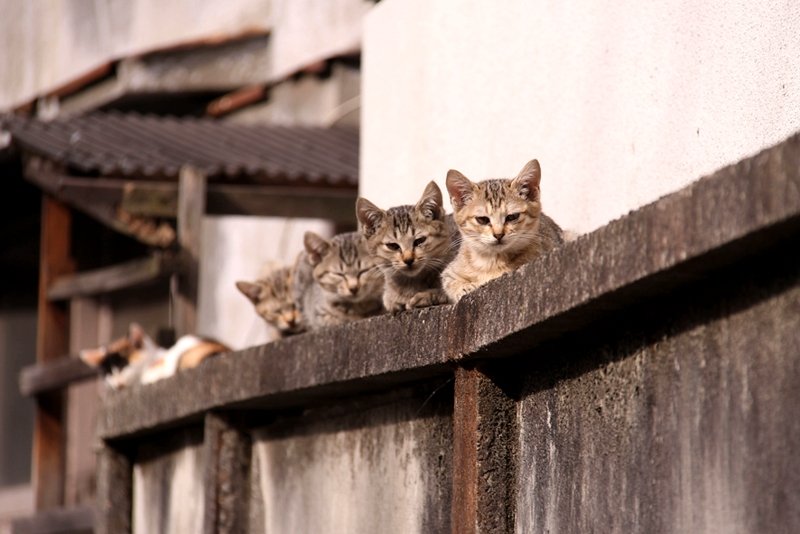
(121, 352)
(498, 215)
(343, 267)
(408, 239)
(273, 300)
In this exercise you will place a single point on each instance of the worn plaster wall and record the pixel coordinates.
(168, 486)
(381, 465)
(686, 425)
(621, 102)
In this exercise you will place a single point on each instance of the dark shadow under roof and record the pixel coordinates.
(134, 146)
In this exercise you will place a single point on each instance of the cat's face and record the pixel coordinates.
(119, 353)
(343, 267)
(273, 300)
(500, 215)
(407, 239)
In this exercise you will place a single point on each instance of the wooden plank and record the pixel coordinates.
(114, 491)
(98, 204)
(83, 400)
(337, 205)
(160, 199)
(78, 520)
(464, 508)
(191, 208)
(53, 375)
(52, 340)
(227, 477)
(113, 278)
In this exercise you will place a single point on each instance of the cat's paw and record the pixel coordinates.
(427, 298)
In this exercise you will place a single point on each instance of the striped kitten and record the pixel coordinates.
(502, 228)
(413, 245)
(273, 298)
(346, 283)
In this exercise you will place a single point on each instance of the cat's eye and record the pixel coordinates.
(511, 217)
(392, 246)
(482, 220)
(420, 240)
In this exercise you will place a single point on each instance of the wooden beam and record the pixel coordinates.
(150, 198)
(52, 340)
(485, 436)
(53, 375)
(227, 477)
(113, 278)
(79, 520)
(98, 203)
(191, 208)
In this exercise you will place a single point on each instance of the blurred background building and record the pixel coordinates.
(621, 102)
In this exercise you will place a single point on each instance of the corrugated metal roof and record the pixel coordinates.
(150, 147)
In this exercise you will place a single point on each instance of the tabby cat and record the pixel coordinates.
(274, 300)
(502, 228)
(413, 245)
(337, 280)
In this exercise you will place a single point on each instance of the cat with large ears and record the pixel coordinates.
(273, 297)
(502, 227)
(413, 244)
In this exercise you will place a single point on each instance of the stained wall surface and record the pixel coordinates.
(381, 465)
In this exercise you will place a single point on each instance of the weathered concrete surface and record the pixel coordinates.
(717, 221)
(380, 464)
(683, 420)
(168, 485)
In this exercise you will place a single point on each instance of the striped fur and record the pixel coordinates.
(413, 244)
(502, 228)
(337, 280)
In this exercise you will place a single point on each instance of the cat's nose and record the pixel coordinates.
(353, 289)
(409, 261)
(499, 236)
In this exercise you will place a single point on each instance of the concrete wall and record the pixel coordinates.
(168, 488)
(621, 102)
(378, 466)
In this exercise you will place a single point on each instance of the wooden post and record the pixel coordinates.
(52, 342)
(227, 481)
(191, 208)
(485, 435)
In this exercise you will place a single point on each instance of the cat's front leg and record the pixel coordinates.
(430, 297)
(392, 302)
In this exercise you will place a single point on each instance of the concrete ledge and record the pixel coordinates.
(717, 221)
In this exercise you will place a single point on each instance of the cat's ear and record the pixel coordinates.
(460, 188)
(527, 181)
(430, 205)
(136, 335)
(316, 247)
(250, 290)
(369, 216)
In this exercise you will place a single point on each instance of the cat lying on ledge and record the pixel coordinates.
(411, 256)
(136, 358)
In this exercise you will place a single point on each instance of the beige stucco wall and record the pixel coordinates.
(621, 102)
